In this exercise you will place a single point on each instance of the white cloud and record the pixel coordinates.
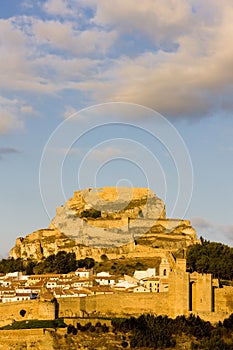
(64, 36)
(106, 153)
(193, 80)
(212, 230)
(8, 122)
(161, 21)
(26, 109)
(173, 56)
(12, 114)
(202, 223)
(57, 7)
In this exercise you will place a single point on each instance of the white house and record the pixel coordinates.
(51, 284)
(17, 275)
(124, 285)
(138, 289)
(83, 273)
(81, 282)
(105, 279)
(61, 293)
(21, 290)
(141, 274)
(152, 284)
(7, 282)
(16, 297)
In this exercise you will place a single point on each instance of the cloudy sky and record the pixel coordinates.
(170, 56)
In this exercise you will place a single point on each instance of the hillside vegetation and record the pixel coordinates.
(207, 257)
(211, 257)
(63, 262)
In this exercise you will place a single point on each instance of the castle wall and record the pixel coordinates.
(34, 309)
(35, 339)
(69, 307)
(126, 304)
(168, 224)
(223, 299)
(112, 193)
(108, 223)
(172, 303)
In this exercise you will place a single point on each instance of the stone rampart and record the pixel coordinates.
(69, 307)
(223, 299)
(181, 299)
(121, 223)
(35, 309)
(125, 304)
(35, 339)
(168, 224)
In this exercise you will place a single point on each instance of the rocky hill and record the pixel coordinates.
(112, 221)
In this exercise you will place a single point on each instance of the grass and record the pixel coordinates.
(30, 324)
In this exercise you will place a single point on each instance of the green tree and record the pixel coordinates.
(211, 257)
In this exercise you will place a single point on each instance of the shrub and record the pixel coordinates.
(124, 344)
(92, 329)
(90, 213)
(70, 329)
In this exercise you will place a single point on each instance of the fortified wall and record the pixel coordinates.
(35, 339)
(35, 309)
(188, 293)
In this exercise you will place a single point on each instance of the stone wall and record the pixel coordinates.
(223, 299)
(35, 309)
(121, 223)
(168, 224)
(69, 307)
(114, 193)
(30, 339)
(126, 304)
(210, 303)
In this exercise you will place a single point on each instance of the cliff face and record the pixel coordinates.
(107, 221)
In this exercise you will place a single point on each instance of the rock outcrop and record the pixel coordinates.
(112, 221)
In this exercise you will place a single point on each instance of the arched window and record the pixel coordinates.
(165, 272)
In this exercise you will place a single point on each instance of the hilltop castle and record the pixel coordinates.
(109, 220)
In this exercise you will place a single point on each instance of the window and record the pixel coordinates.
(165, 272)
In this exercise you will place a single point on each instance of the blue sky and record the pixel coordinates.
(59, 57)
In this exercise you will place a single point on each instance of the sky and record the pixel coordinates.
(116, 93)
